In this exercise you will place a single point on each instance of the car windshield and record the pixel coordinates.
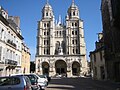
(32, 78)
(9, 81)
(42, 76)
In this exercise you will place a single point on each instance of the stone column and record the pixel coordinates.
(69, 69)
(51, 68)
(69, 72)
(39, 67)
(41, 72)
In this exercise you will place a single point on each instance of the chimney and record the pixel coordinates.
(16, 20)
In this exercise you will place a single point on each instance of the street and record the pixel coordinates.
(80, 83)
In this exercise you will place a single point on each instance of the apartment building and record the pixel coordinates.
(10, 44)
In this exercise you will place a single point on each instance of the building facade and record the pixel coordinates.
(61, 48)
(10, 44)
(97, 59)
(110, 10)
(25, 61)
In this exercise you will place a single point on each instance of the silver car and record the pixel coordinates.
(34, 82)
(18, 82)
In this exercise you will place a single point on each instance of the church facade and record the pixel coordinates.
(61, 48)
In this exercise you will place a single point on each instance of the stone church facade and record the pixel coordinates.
(61, 48)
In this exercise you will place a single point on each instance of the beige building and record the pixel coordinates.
(25, 62)
(97, 60)
(61, 48)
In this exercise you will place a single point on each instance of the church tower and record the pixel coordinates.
(45, 31)
(75, 40)
(72, 30)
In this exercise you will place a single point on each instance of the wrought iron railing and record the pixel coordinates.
(10, 62)
(11, 43)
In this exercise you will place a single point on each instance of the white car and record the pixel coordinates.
(41, 81)
(44, 77)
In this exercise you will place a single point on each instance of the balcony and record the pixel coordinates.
(11, 62)
(11, 43)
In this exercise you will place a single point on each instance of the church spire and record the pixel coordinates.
(47, 10)
(47, 2)
(73, 10)
(73, 1)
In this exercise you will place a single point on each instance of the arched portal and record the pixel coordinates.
(76, 68)
(61, 67)
(45, 68)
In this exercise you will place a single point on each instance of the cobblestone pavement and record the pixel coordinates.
(80, 83)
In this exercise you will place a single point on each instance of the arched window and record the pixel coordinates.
(73, 13)
(73, 51)
(44, 42)
(72, 32)
(44, 24)
(75, 32)
(76, 51)
(75, 24)
(60, 33)
(47, 33)
(46, 13)
(72, 41)
(44, 33)
(72, 24)
(48, 25)
(76, 41)
(57, 33)
(47, 51)
(47, 42)
(44, 50)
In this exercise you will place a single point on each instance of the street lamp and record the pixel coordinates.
(38, 65)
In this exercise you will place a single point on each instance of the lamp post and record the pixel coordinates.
(38, 65)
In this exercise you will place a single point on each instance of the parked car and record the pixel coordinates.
(34, 82)
(44, 77)
(41, 81)
(18, 82)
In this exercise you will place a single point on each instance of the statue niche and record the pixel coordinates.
(58, 49)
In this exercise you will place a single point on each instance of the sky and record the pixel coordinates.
(30, 13)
